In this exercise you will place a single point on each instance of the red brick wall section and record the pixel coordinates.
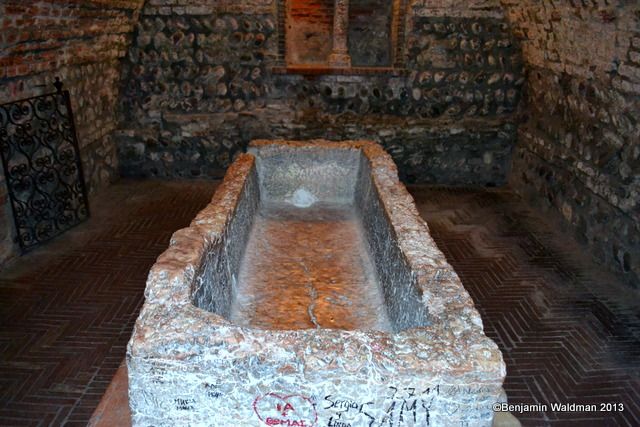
(585, 39)
(41, 36)
(318, 11)
(81, 41)
(309, 29)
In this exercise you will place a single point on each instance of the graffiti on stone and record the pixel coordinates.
(290, 410)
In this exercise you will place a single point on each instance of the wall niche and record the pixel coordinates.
(341, 34)
(369, 36)
(308, 29)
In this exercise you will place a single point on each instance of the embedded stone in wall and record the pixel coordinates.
(198, 63)
(578, 151)
(579, 156)
(587, 40)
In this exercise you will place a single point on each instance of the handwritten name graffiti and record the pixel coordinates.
(400, 407)
(158, 374)
(293, 410)
(184, 404)
(466, 390)
(212, 391)
(409, 407)
(357, 411)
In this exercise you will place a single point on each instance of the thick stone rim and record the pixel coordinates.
(453, 345)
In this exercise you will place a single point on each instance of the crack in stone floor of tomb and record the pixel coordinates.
(313, 295)
(308, 268)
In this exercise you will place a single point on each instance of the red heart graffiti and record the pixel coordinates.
(293, 410)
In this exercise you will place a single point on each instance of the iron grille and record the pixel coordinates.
(42, 167)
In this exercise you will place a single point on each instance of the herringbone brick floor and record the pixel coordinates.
(569, 332)
(67, 309)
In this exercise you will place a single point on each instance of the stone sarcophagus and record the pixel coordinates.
(310, 293)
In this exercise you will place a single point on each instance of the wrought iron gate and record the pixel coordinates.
(42, 168)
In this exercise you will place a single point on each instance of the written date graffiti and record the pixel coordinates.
(403, 407)
(400, 407)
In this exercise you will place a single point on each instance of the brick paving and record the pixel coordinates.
(569, 331)
(67, 309)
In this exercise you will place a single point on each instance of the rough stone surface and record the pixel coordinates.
(81, 42)
(186, 363)
(199, 86)
(579, 151)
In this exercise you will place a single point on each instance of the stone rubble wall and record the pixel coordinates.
(80, 41)
(579, 151)
(199, 84)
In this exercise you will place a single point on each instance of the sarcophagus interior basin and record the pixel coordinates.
(310, 293)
